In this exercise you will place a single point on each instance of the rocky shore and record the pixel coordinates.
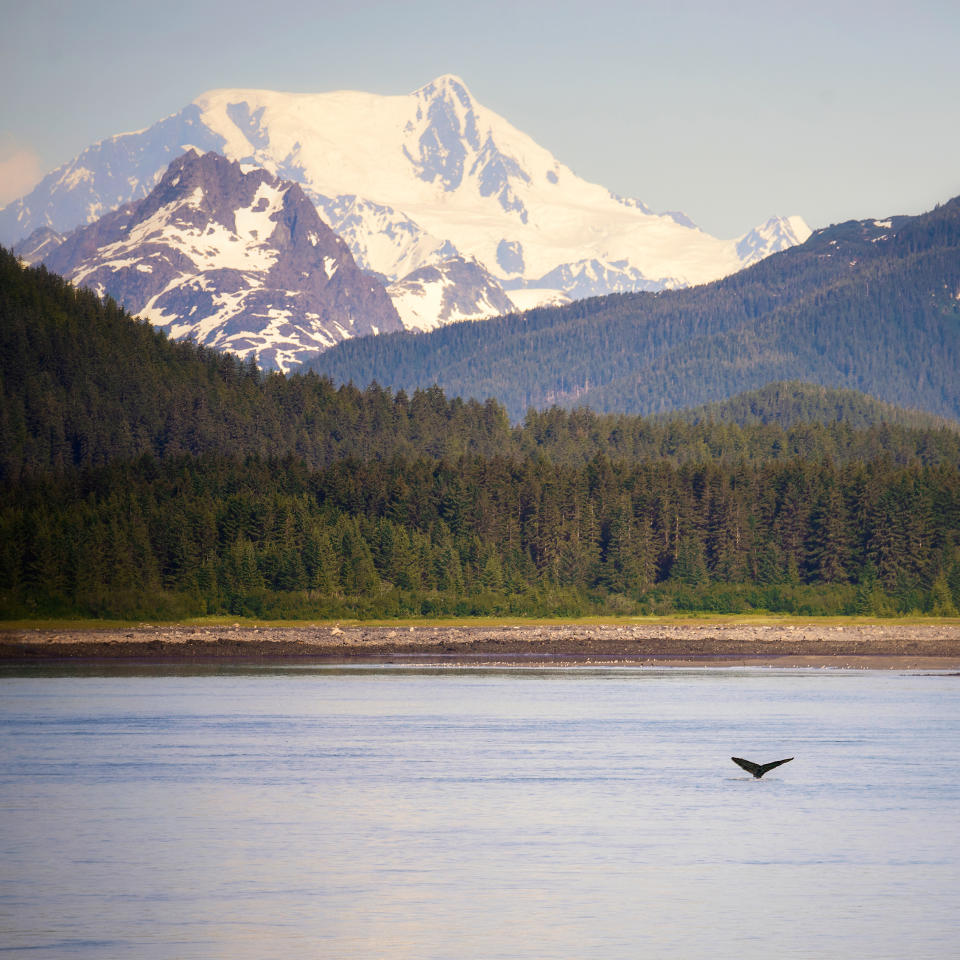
(873, 646)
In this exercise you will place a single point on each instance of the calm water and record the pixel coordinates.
(403, 813)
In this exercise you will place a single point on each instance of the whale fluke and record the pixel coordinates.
(758, 769)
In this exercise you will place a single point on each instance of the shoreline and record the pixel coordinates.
(855, 646)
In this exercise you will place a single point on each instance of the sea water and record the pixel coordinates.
(478, 813)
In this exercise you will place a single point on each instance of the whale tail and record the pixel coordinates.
(758, 769)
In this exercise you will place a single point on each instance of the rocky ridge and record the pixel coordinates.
(234, 259)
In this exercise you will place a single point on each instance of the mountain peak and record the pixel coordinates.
(211, 186)
(236, 259)
(444, 134)
(193, 169)
(445, 86)
(772, 236)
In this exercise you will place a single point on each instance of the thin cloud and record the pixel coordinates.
(20, 171)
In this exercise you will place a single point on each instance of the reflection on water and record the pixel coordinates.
(223, 811)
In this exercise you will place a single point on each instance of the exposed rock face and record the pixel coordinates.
(236, 260)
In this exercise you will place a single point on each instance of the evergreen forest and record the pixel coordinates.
(144, 478)
(869, 306)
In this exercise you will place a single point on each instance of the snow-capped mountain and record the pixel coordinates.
(778, 233)
(411, 182)
(39, 245)
(594, 278)
(454, 289)
(236, 260)
(383, 242)
(104, 176)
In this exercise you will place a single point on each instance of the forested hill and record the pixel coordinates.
(83, 384)
(141, 478)
(864, 305)
(791, 402)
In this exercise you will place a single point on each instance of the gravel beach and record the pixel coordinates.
(872, 646)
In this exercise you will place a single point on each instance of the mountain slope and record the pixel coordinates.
(84, 385)
(409, 182)
(865, 305)
(788, 403)
(238, 261)
(451, 290)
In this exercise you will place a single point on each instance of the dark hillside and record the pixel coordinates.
(864, 305)
(82, 384)
(792, 402)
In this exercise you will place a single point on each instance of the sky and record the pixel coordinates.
(729, 111)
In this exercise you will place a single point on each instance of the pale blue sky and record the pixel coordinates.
(730, 111)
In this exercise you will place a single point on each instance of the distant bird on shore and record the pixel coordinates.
(758, 769)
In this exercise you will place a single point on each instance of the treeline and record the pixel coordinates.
(858, 306)
(480, 536)
(792, 402)
(576, 436)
